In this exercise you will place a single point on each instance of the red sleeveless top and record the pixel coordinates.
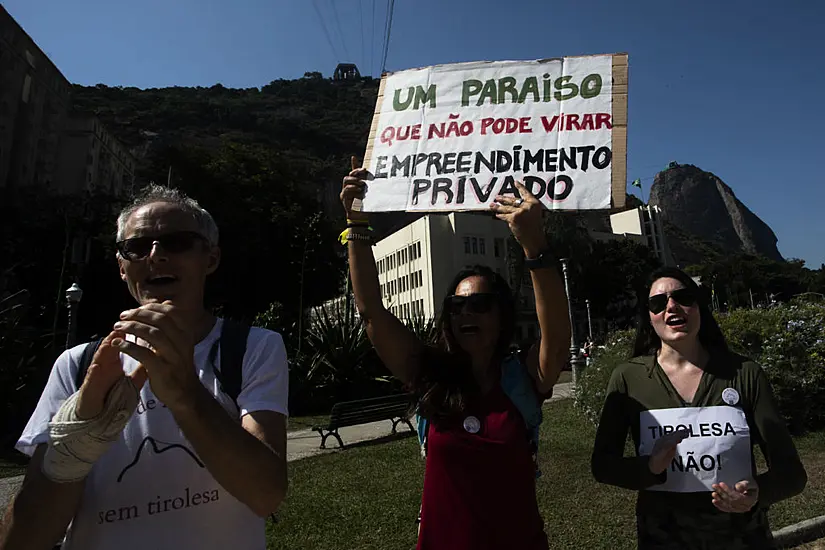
(479, 488)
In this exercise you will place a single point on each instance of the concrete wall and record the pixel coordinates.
(34, 101)
(92, 159)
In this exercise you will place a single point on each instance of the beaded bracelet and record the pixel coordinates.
(355, 234)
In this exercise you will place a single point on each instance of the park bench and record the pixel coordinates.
(363, 411)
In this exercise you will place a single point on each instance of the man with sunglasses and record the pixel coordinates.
(175, 462)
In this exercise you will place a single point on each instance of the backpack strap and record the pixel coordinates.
(423, 425)
(519, 388)
(232, 345)
(86, 361)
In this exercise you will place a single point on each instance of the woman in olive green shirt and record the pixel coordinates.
(694, 410)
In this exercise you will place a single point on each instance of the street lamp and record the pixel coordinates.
(73, 296)
(575, 357)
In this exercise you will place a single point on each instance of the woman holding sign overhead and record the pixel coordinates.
(481, 404)
(695, 410)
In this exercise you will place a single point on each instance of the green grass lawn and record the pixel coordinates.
(368, 497)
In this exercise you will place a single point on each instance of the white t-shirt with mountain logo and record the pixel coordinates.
(151, 489)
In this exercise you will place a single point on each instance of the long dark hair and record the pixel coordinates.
(445, 379)
(648, 342)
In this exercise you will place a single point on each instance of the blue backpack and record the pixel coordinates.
(518, 387)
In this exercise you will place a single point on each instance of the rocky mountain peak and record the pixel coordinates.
(701, 204)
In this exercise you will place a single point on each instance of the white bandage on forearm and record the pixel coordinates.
(75, 445)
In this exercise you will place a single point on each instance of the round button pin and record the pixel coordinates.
(730, 396)
(472, 424)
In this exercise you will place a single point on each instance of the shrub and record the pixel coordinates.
(335, 360)
(25, 362)
(788, 341)
(592, 382)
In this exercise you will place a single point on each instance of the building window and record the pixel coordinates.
(475, 245)
(418, 249)
(481, 246)
(467, 245)
(27, 86)
(498, 247)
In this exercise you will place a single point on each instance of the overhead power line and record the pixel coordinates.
(388, 32)
(372, 41)
(326, 32)
(361, 22)
(338, 26)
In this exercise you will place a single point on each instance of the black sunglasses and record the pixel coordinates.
(683, 296)
(138, 248)
(476, 303)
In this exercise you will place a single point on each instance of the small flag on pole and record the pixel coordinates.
(637, 183)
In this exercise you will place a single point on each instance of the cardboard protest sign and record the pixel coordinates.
(717, 447)
(452, 137)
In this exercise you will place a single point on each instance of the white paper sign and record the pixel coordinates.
(718, 448)
(452, 137)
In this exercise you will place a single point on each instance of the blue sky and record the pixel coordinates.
(731, 86)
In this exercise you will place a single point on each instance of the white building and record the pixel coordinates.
(417, 263)
(643, 225)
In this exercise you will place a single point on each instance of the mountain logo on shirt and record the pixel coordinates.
(149, 440)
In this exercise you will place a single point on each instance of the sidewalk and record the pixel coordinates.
(8, 488)
(305, 443)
